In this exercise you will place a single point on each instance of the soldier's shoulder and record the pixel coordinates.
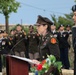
(53, 39)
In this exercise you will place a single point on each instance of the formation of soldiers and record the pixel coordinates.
(36, 46)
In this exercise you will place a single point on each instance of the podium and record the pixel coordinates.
(16, 66)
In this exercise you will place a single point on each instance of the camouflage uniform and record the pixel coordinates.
(71, 50)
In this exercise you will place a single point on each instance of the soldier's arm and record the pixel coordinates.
(54, 47)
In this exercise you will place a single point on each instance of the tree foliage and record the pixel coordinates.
(7, 7)
(67, 19)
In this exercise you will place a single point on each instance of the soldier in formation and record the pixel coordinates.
(63, 46)
(19, 39)
(5, 47)
(53, 30)
(32, 38)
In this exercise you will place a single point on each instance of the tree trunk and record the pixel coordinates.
(6, 24)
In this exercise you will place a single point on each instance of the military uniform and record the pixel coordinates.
(55, 33)
(74, 37)
(4, 47)
(33, 45)
(48, 45)
(1, 50)
(71, 50)
(5, 44)
(53, 30)
(19, 47)
(63, 45)
(0, 59)
(74, 46)
(12, 42)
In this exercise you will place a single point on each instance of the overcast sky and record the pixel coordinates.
(30, 9)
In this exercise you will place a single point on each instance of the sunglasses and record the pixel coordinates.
(41, 24)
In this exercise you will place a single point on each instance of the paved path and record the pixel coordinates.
(64, 71)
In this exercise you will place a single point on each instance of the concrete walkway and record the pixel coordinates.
(64, 72)
(67, 72)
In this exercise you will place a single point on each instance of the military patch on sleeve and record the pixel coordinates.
(53, 40)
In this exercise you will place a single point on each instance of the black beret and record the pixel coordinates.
(61, 25)
(19, 25)
(30, 26)
(68, 25)
(53, 24)
(74, 8)
(43, 20)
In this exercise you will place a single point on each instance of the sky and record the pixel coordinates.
(30, 9)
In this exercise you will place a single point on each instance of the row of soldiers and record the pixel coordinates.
(27, 45)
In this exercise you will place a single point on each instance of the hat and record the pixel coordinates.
(31, 26)
(74, 8)
(1, 31)
(68, 25)
(60, 26)
(19, 25)
(43, 21)
(53, 24)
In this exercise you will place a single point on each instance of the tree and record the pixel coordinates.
(7, 7)
(55, 20)
(67, 19)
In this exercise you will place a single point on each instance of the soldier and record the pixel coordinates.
(5, 43)
(0, 51)
(74, 36)
(68, 29)
(11, 39)
(63, 45)
(20, 42)
(47, 43)
(71, 51)
(4, 47)
(12, 32)
(53, 30)
(33, 44)
(31, 29)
